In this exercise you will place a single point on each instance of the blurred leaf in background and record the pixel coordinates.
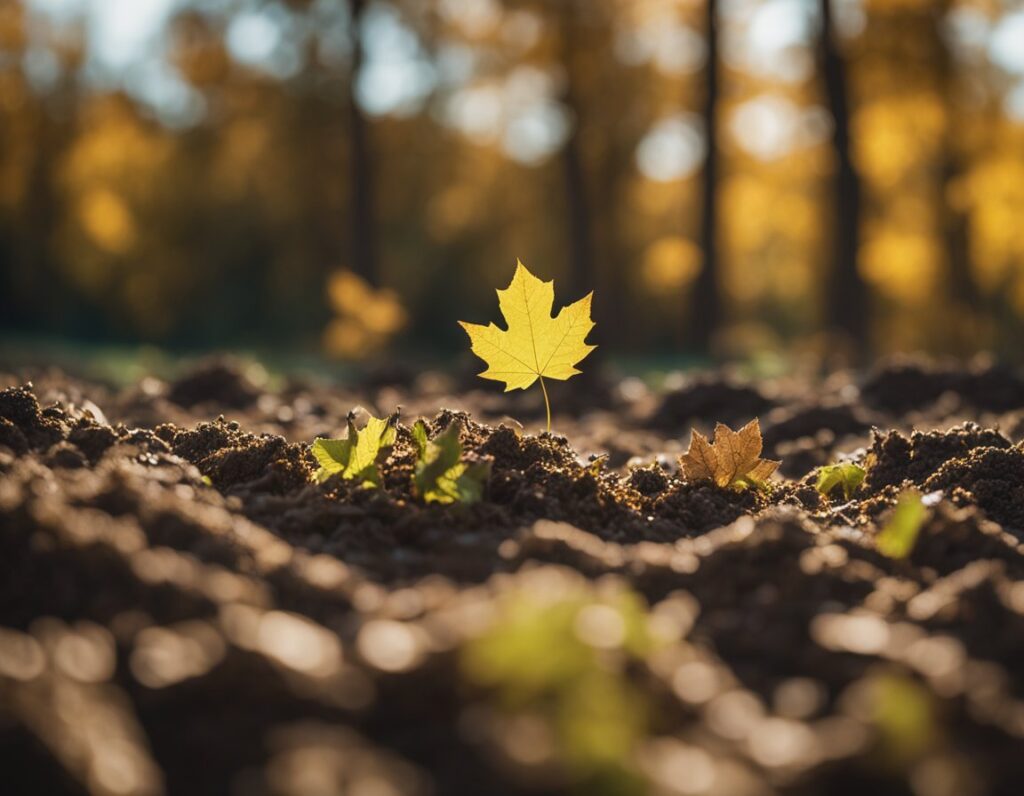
(364, 320)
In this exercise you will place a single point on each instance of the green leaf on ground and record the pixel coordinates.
(898, 536)
(847, 475)
(441, 475)
(359, 454)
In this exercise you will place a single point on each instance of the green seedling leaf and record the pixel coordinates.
(847, 475)
(898, 536)
(564, 656)
(441, 476)
(904, 714)
(358, 455)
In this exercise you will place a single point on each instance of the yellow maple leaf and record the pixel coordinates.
(535, 345)
(733, 458)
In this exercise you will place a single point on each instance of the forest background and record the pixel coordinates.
(730, 177)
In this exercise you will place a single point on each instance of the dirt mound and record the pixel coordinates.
(714, 400)
(183, 610)
(904, 385)
(990, 478)
(895, 459)
(218, 382)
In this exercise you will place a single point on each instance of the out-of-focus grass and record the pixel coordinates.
(121, 365)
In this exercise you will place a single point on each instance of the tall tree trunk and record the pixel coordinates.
(8, 282)
(581, 248)
(362, 233)
(578, 210)
(961, 291)
(34, 226)
(705, 312)
(847, 297)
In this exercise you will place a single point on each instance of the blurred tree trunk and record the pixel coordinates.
(49, 304)
(578, 210)
(705, 312)
(8, 284)
(846, 303)
(581, 249)
(961, 290)
(363, 250)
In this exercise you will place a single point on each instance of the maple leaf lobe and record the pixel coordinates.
(700, 461)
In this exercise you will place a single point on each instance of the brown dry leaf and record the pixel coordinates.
(733, 458)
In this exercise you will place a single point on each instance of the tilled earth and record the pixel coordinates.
(184, 611)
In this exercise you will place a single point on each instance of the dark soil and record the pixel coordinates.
(183, 610)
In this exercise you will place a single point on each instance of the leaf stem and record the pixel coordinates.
(547, 404)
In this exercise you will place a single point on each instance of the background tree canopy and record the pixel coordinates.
(350, 175)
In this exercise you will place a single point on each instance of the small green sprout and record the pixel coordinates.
(359, 454)
(847, 475)
(904, 715)
(897, 538)
(564, 656)
(441, 476)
